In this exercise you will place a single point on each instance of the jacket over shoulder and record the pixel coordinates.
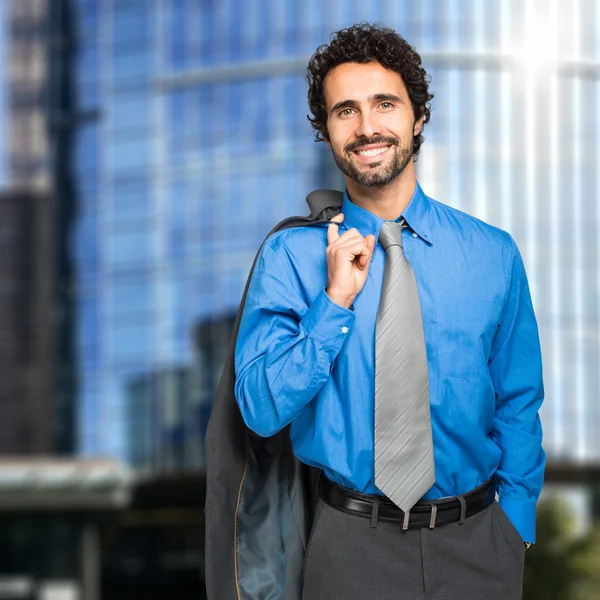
(259, 496)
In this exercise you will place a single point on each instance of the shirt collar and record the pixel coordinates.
(416, 214)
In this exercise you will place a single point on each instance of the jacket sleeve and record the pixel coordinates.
(285, 347)
(516, 371)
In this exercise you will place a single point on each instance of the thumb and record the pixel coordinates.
(332, 228)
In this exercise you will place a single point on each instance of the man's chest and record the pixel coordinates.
(461, 293)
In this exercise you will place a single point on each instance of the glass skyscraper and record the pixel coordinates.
(200, 143)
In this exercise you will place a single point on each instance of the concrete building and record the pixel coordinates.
(26, 323)
(26, 78)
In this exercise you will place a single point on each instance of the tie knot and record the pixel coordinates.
(391, 234)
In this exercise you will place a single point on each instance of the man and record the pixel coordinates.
(398, 343)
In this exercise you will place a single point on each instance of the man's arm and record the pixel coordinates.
(516, 370)
(285, 348)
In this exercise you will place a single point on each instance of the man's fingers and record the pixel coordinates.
(353, 248)
(343, 243)
(371, 241)
(351, 242)
(332, 229)
(359, 249)
(365, 256)
(348, 236)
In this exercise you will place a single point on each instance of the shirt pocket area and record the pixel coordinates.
(465, 330)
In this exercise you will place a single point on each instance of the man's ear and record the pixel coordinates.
(418, 127)
(325, 136)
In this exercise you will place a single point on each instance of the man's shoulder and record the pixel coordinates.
(294, 238)
(299, 251)
(468, 227)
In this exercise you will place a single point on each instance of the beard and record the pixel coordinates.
(379, 173)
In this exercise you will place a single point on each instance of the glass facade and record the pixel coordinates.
(201, 144)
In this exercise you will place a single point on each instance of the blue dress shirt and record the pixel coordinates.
(302, 359)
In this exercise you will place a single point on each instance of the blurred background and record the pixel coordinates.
(146, 148)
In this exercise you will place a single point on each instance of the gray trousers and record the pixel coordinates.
(347, 559)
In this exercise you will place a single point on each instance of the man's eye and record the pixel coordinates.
(346, 112)
(386, 105)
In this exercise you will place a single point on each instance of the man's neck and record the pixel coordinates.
(386, 202)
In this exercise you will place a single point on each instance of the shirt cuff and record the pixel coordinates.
(328, 322)
(522, 515)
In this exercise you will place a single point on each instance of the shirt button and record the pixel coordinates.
(415, 234)
(344, 329)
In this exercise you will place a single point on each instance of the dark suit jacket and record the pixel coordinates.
(259, 497)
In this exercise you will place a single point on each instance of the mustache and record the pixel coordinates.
(379, 139)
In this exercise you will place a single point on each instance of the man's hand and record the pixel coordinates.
(348, 260)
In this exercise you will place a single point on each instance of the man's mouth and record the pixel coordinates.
(372, 154)
(372, 151)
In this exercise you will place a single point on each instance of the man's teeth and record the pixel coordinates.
(373, 152)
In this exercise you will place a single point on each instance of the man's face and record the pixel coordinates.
(370, 122)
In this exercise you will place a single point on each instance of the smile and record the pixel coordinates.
(370, 153)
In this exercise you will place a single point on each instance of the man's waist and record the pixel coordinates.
(462, 463)
(426, 513)
(448, 483)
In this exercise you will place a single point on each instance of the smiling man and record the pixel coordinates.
(398, 343)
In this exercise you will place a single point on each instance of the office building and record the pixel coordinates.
(203, 144)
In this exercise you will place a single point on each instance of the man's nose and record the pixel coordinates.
(368, 126)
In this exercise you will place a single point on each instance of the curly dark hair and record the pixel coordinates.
(364, 43)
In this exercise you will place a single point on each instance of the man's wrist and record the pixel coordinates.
(342, 301)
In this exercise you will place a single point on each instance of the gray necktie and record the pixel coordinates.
(404, 468)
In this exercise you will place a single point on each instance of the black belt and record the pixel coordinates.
(426, 513)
